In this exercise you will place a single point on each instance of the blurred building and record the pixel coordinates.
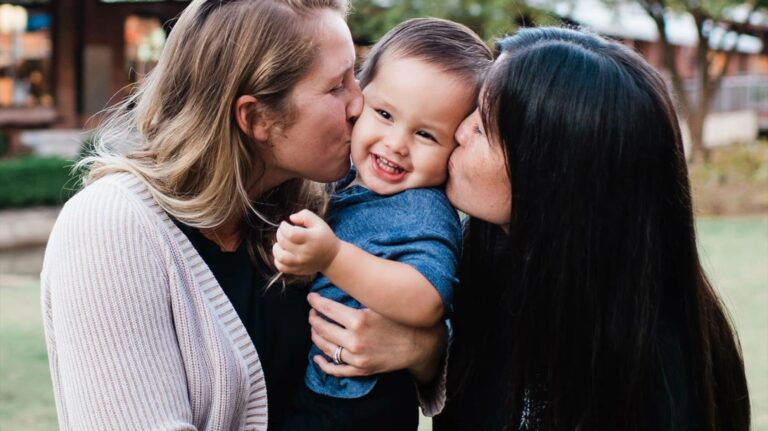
(744, 87)
(61, 61)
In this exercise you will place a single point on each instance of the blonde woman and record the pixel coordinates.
(156, 315)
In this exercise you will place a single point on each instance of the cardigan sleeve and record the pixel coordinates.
(432, 395)
(114, 358)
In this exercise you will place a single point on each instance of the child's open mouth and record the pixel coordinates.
(387, 169)
(387, 165)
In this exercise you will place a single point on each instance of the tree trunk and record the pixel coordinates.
(709, 80)
(698, 152)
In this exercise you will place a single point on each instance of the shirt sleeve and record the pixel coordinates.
(115, 362)
(433, 248)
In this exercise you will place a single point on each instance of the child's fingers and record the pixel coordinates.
(285, 269)
(304, 218)
(284, 242)
(288, 262)
(292, 234)
(284, 259)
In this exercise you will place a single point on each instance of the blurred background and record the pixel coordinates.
(63, 61)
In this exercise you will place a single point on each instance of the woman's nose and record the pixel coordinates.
(462, 132)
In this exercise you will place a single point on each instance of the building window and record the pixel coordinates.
(144, 41)
(25, 57)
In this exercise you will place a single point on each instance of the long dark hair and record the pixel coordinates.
(600, 258)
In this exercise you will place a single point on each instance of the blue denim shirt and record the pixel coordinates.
(418, 227)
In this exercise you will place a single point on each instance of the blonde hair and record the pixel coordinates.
(178, 132)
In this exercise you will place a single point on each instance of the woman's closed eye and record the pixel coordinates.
(338, 88)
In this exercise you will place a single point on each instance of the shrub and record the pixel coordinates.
(33, 180)
(734, 181)
(3, 143)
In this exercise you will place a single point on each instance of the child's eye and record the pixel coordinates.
(384, 114)
(426, 135)
(477, 129)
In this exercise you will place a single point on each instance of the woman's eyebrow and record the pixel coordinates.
(339, 75)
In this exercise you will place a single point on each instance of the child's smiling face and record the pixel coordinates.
(405, 134)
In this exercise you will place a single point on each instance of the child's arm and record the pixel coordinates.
(393, 289)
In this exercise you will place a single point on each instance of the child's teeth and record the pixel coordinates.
(388, 166)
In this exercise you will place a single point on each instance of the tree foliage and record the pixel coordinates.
(718, 35)
(491, 19)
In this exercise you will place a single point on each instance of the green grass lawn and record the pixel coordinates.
(735, 255)
(734, 251)
(26, 396)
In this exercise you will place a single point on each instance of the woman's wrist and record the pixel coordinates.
(433, 342)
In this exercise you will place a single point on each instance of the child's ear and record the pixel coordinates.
(252, 118)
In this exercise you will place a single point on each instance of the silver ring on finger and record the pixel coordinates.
(337, 356)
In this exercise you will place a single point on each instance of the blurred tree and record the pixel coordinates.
(718, 34)
(370, 19)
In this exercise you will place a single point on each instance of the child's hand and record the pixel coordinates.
(307, 247)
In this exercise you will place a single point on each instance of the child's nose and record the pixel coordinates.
(398, 143)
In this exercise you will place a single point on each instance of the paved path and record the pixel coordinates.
(23, 234)
(18, 280)
(26, 227)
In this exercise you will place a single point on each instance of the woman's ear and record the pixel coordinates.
(252, 118)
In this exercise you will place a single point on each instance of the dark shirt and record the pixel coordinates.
(480, 403)
(276, 319)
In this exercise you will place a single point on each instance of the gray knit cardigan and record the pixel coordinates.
(140, 335)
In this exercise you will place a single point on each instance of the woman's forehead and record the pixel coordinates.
(335, 54)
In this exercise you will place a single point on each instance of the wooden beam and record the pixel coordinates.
(66, 35)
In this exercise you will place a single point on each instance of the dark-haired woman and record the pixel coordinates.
(583, 304)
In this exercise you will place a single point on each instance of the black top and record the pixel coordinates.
(481, 400)
(276, 319)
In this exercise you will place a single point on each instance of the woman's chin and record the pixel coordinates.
(453, 195)
(333, 175)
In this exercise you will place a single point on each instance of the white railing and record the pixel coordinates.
(737, 93)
